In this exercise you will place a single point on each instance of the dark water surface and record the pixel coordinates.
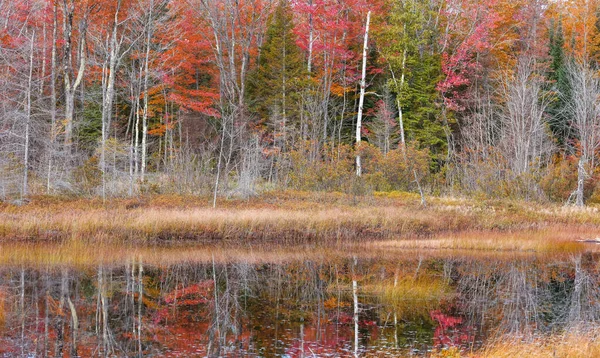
(335, 304)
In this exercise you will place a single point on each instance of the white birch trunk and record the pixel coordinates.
(52, 97)
(145, 110)
(109, 92)
(361, 100)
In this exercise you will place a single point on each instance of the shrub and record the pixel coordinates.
(88, 176)
(560, 179)
(329, 168)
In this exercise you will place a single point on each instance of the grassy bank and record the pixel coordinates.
(576, 344)
(584, 344)
(299, 217)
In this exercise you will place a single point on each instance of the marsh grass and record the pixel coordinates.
(396, 221)
(575, 344)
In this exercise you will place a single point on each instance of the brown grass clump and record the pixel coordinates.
(568, 345)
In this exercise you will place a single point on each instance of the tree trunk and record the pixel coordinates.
(71, 87)
(146, 79)
(580, 182)
(356, 308)
(28, 120)
(52, 97)
(108, 92)
(363, 85)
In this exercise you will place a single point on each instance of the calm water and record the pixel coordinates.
(397, 304)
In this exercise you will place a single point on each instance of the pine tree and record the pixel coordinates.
(274, 85)
(559, 86)
(409, 46)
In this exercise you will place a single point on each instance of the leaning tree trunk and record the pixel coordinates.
(70, 86)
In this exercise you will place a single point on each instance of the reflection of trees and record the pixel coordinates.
(529, 296)
(287, 308)
(519, 293)
(583, 304)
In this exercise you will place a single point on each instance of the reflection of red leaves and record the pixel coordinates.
(189, 295)
(449, 332)
(186, 297)
(368, 323)
(444, 320)
(345, 318)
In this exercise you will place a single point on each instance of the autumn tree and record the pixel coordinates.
(233, 29)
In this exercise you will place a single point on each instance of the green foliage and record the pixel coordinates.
(89, 129)
(274, 86)
(559, 86)
(408, 43)
(420, 104)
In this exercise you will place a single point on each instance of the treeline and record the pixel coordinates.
(494, 98)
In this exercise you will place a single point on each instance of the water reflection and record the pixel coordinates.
(349, 306)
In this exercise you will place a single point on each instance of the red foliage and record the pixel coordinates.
(468, 33)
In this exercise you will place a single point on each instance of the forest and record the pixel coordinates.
(300, 178)
(233, 98)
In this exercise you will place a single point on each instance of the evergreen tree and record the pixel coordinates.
(409, 44)
(275, 84)
(421, 105)
(559, 86)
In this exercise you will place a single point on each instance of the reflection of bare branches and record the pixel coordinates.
(225, 312)
(582, 305)
(106, 343)
(297, 306)
(519, 293)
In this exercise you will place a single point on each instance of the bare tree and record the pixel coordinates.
(524, 141)
(585, 110)
(236, 27)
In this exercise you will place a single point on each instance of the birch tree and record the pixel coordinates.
(361, 101)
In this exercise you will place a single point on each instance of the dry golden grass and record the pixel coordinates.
(568, 345)
(577, 344)
(299, 217)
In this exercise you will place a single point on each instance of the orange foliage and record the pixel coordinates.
(579, 20)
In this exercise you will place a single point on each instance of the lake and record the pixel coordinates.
(355, 300)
